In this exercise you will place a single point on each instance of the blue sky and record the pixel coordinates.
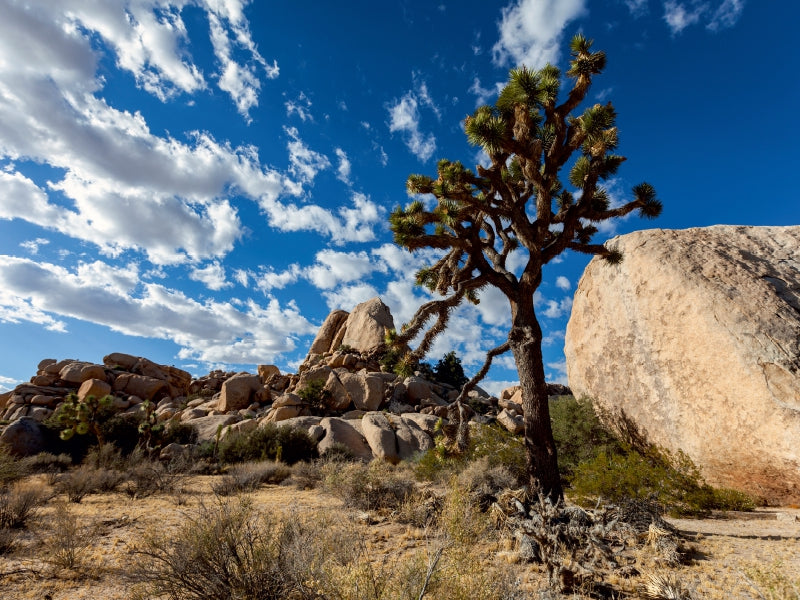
(200, 183)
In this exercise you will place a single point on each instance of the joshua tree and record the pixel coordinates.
(518, 204)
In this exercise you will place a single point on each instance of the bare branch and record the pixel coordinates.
(490, 356)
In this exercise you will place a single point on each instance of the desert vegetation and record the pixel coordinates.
(264, 516)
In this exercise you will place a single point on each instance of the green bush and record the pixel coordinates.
(315, 395)
(449, 370)
(672, 480)
(268, 442)
(579, 434)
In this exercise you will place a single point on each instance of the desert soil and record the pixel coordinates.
(734, 557)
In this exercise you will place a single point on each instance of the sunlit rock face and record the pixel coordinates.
(695, 338)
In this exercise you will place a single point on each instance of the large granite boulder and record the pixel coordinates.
(238, 392)
(366, 327)
(23, 437)
(695, 339)
(330, 335)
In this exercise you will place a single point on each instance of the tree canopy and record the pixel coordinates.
(518, 203)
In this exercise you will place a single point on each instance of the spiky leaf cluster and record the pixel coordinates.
(80, 417)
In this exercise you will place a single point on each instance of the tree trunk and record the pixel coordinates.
(525, 339)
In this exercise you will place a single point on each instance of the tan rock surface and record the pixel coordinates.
(328, 333)
(696, 337)
(366, 327)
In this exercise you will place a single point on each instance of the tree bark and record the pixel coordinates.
(525, 339)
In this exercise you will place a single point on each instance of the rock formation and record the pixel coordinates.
(695, 338)
(340, 394)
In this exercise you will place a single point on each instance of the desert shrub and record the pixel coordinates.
(122, 430)
(46, 462)
(147, 478)
(268, 442)
(19, 503)
(461, 518)
(11, 467)
(229, 551)
(177, 432)
(247, 477)
(8, 540)
(672, 480)
(338, 452)
(375, 486)
(68, 539)
(483, 482)
(315, 394)
(501, 448)
(579, 434)
(107, 456)
(86, 479)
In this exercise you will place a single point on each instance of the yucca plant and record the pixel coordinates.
(518, 204)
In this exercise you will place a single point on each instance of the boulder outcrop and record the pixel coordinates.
(695, 339)
(366, 327)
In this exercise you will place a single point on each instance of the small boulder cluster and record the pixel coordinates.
(341, 395)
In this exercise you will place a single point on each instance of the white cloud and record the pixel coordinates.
(558, 372)
(531, 31)
(637, 7)
(484, 95)
(404, 118)
(240, 81)
(332, 268)
(118, 185)
(679, 17)
(243, 276)
(563, 283)
(726, 15)
(212, 276)
(344, 168)
(32, 246)
(268, 279)
(211, 332)
(304, 163)
(556, 309)
(347, 297)
(495, 387)
(7, 383)
(299, 107)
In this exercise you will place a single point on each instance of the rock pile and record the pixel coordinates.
(340, 394)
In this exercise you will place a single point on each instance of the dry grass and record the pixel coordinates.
(385, 558)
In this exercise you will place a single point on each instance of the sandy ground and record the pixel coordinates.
(740, 556)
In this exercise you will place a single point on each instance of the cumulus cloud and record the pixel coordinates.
(332, 268)
(115, 183)
(404, 118)
(7, 383)
(212, 276)
(208, 331)
(304, 163)
(531, 31)
(555, 309)
(352, 223)
(33, 246)
(563, 283)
